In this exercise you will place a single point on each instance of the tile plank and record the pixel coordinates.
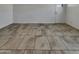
(42, 43)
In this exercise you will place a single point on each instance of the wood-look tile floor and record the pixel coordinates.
(39, 39)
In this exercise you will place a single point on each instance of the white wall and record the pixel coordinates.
(73, 15)
(5, 15)
(28, 13)
(34, 13)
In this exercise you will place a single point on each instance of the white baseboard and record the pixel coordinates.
(4, 25)
(38, 21)
(34, 21)
(73, 25)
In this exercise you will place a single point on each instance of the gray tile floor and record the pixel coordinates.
(39, 39)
